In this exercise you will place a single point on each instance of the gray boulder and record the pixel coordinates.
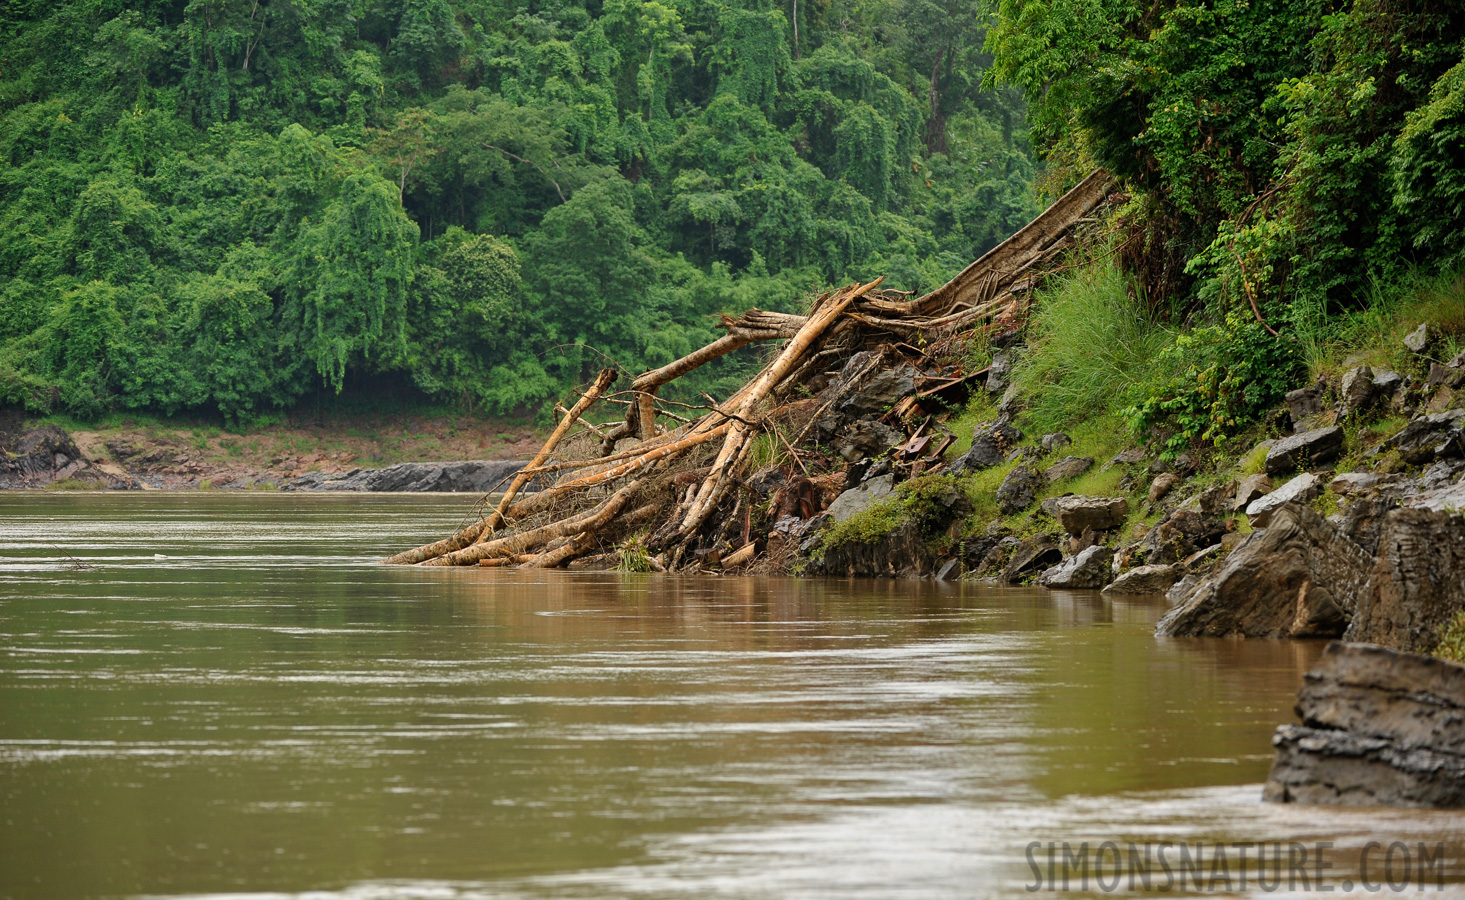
(1068, 467)
(865, 438)
(1379, 728)
(1179, 536)
(1310, 448)
(1430, 437)
(885, 388)
(1086, 570)
(1298, 578)
(1162, 485)
(1147, 580)
(1018, 490)
(991, 443)
(1077, 513)
(858, 499)
(1034, 554)
(1355, 392)
(902, 553)
(1252, 487)
(1304, 487)
(1421, 339)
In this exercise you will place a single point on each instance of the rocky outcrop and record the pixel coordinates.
(1068, 467)
(1304, 487)
(1035, 554)
(1297, 578)
(1379, 728)
(44, 455)
(1086, 570)
(858, 499)
(475, 476)
(1079, 513)
(1018, 490)
(1417, 584)
(902, 553)
(1310, 448)
(1431, 437)
(990, 445)
(1147, 580)
(1181, 534)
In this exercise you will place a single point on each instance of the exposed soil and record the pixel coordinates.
(189, 455)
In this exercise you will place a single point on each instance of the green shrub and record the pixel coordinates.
(1090, 341)
(1222, 379)
(1452, 640)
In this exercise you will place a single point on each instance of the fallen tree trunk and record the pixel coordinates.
(705, 503)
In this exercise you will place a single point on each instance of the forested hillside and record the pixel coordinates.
(228, 204)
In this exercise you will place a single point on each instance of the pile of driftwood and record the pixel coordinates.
(685, 496)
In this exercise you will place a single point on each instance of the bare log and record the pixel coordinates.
(1008, 256)
(606, 378)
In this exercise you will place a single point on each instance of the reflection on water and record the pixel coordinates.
(266, 709)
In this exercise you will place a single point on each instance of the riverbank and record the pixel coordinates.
(144, 453)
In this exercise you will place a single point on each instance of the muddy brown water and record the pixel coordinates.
(225, 695)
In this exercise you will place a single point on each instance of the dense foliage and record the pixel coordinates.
(1285, 158)
(228, 204)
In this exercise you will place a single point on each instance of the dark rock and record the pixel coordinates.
(1018, 490)
(1304, 487)
(1298, 578)
(1379, 727)
(1421, 339)
(1032, 555)
(865, 437)
(1216, 501)
(1252, 488)
(1443, 472)
(1162, 485)
(999, 376)
(1055, 441)
(1351, 483)
(1305, 404)
(991, 443)
(1449, 376)
(1429, 437)
(1077, 513)
(1310, 448)
(1179, 535)
(858, 499)
(1011, 403)
(885, 388)
(1085, 570)
(949, 570)
(1068, 467)
(900, 554)
(1387, 384)
(1355, 392)
(1322, 766)
(1417, 585)
(1146, 580)
(474, 476)
(1130, 456)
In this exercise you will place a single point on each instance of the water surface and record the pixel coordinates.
(226, 695)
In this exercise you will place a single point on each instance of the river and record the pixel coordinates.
(225, 695)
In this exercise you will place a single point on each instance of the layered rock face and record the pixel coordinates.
(1300, 577)
(1379, 728)
(475, 476)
